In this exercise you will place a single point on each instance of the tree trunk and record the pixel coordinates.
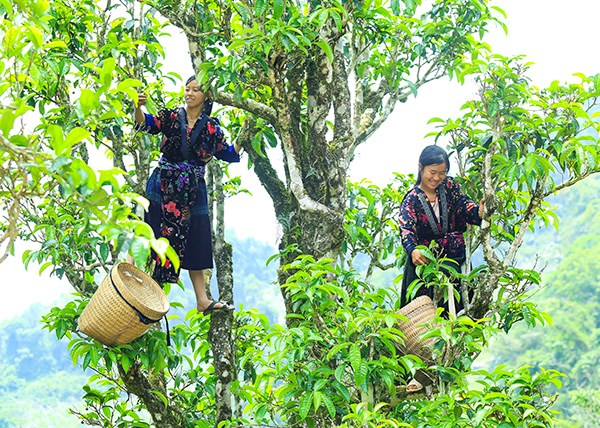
(219, 335)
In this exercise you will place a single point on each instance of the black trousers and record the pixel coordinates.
(410, 275)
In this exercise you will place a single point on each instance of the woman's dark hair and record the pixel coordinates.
(432, 155)
(208, 103)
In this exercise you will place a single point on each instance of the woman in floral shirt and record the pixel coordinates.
(177, 190)
(435, 210)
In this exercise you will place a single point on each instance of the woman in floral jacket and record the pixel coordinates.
(177, 190)
(435, 210)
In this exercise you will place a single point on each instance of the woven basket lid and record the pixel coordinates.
(140, 290)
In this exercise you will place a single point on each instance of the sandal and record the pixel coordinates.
(211, 308)
(413, 386)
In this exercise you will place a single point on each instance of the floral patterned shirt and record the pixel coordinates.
(211, 139)
(416, 228)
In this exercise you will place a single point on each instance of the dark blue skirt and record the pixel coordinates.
(198, 247)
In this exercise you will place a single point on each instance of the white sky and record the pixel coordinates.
(558, 37)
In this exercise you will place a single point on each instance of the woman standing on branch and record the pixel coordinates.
(435, 210)
(176, 188)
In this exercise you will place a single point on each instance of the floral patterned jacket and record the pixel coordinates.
(417, 228)
(210, 141)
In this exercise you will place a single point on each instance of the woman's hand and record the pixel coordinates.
(141, 100)
(418, 258)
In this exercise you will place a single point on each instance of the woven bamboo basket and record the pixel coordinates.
(125, 305)
(420, 313)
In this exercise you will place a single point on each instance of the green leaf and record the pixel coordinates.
(354, 357)
(320, 384)
(40, 7)
(127, 84)
(317, 398)
(45, 266)
(86, 360)
(336, 349)
(125, 362)
(57, 139)
(75, 136)
(277, 8)
(326, 48)
(260, 7)
(360, 376)
(107, 412)
(413, 87)
(55, 44)
(36, 36)
(139, 249)
(329, 405)
(7, 6)
(339, 372)
(305, 404)
(342, 390)
(162, 397)
(104, 251)
(106, 73)
(87, 100)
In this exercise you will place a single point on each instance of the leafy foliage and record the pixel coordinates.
(66, 99)
(287, 67)
(348, 371)
(570, 294)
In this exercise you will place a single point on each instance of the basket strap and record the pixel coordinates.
(168, 332)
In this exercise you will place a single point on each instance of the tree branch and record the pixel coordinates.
(252, 106)
(342, 103)
(267, 175)
(137, 383)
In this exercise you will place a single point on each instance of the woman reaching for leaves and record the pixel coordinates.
(435, 210)
(176, 188)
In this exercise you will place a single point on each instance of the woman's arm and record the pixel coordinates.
(225, 151)
(228, 154)
(408, 229)
(465, 205)
(140, 118)
(148, 122)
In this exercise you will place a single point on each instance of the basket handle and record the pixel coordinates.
(143, 318)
